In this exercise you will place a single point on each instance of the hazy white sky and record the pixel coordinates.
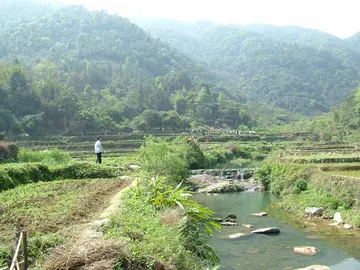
(338, 17)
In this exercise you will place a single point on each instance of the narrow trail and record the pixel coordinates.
(91, 230)
(115, 202)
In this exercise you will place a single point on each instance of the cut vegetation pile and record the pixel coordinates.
(92, 255)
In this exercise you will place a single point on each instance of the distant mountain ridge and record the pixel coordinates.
(294, 68)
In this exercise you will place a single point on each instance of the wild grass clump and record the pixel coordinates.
(312, 197)
(54, 156)
(39, 246)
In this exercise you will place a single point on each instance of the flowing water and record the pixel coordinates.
(262, 252)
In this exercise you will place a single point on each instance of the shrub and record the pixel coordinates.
(300, 185)
(279, 177)
(161, 158)
(8, 152)
(6, 182)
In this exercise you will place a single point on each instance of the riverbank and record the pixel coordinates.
(321, 196)
(318, 228)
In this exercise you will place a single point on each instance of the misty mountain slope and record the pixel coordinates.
(355, 41)
(346, 49)
(285, 74)
(80, 40)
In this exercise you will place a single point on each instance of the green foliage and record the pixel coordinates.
(8, 152)
(162, 158)
(54, 156)
(152, 242)
(279, 178)
(312, 197)
(39, 246)
(139, 222)
(300, 185)
(100, 84)
(162, 195)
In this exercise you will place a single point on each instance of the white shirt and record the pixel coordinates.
(98, 147)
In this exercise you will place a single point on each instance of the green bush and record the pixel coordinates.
(54, 156)
(280, 177)
(8, 152)
(300, 186)
(161, 158)
(6, 182)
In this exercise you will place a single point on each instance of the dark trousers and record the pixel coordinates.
(98, 158)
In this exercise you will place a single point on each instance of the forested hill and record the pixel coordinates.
(297, 69)
(68, 69)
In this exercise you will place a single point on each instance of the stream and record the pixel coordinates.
(263, 252)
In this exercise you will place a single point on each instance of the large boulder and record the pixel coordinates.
(271, 230)
(233, 216)
(314, 211)
(306, 250)
(238, 236)
(262, 214)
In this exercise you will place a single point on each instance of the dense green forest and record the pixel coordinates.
(70, 69)
(301, 70)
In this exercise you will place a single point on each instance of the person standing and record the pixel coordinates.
(98, 150)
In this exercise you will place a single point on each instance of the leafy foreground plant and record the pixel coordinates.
(157, 240)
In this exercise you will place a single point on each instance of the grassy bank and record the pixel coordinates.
(302, 186)
(13, 175)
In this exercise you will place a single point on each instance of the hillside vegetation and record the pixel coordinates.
(301, 70)
(70, 69)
